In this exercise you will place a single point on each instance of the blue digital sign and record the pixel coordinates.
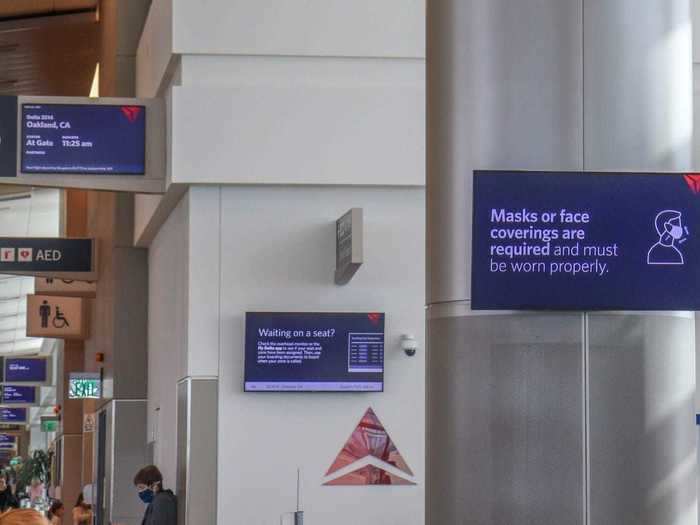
(84, 139)
(314, 352)
(26, 370)
(18, 395)
(8, 438)
(13, 415)
(8, 136)
(586, 241)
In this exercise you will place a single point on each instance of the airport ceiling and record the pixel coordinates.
(48, 47)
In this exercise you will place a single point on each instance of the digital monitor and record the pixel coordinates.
(84, 386)
(18, 395)
(26, 370)
(88, 139)
(314, 352)
(8, 438)
(13, 415)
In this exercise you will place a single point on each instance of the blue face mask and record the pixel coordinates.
(147, 496)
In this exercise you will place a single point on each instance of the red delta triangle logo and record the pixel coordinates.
(131, 112)
(693, 181)
(369, 457)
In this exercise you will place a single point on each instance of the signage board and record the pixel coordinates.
(64, 287)
(49, 424)
(48, 256)
(115, 144)
(586, 241)
(8, 136)
(26, 370)
(57, 317)
(314, 352)
(84, 385)
(89, 423)
(18, 395)
(8, 446)
(85, 139)
(348, 245)
(8, 438)
(13, 415)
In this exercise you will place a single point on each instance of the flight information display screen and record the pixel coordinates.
(18, 395)
(25, 370)
(13, 415)
(83, 139)
(314, 352)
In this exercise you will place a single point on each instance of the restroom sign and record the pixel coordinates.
(33, 255)
(56, 317)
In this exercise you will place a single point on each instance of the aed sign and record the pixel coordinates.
(56, 317)
(585, 241)
(31, 255)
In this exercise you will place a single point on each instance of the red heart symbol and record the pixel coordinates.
(24, 253)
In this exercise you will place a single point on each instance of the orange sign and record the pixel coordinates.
(56, 317)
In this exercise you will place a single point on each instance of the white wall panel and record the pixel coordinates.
(203, 286)
(278, 254)
(391, 28)
(370, 135)
(155, 50)
(167, 334)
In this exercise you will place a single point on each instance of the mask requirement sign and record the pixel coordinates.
(585, 241)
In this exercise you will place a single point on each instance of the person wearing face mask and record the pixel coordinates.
(7, 498)
(161, 504)
(669, 228)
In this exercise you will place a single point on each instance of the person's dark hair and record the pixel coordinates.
(81, 500)
(55, 507)
(148, 476)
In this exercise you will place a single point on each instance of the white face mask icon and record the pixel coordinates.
(676, 231)
(669, 228)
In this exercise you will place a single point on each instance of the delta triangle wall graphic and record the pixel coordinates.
(370, 440)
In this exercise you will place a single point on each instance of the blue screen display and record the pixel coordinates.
(586, 241)
(13, 415)
(18, 395)
(314, 352)
(83, 139)
(7, 438)
(26, 370)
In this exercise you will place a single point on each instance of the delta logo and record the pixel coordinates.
(693, 181)
(131, 113)
(369, 457)
(374, 318)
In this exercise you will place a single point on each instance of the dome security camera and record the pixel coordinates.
(409, 345)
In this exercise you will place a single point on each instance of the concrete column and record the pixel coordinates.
(525, 422)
